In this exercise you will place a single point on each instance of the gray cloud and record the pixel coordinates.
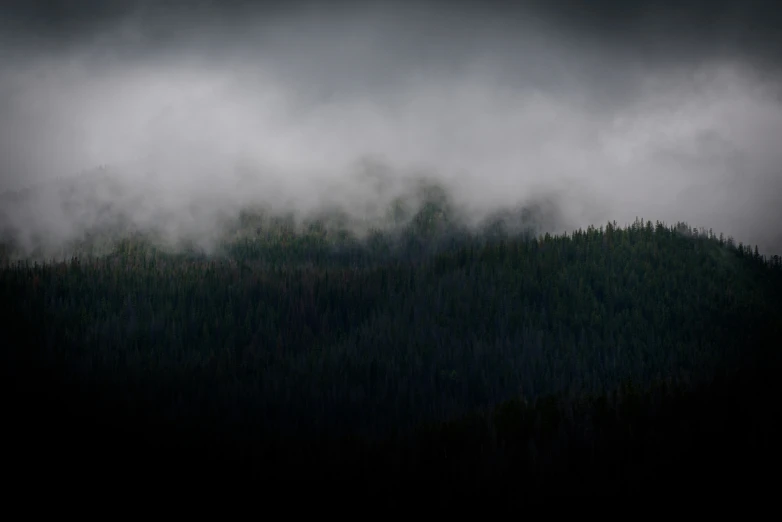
(683, 26)
(632, 111)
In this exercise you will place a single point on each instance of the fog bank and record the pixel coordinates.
(195, 115)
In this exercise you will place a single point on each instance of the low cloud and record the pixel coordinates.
(294, 109)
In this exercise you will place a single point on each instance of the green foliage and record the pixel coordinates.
(311, 331)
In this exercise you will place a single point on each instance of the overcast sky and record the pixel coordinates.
(668, 110)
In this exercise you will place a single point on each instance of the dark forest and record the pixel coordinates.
(602, 361)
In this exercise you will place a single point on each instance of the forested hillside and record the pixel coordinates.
(428, 348)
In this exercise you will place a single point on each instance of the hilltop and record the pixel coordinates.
(308, 331)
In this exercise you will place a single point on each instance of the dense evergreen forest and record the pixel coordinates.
(597, 361)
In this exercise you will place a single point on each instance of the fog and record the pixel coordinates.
(195, 114)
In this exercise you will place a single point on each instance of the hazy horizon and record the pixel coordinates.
(668, 111)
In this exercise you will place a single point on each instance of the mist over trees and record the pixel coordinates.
(197, 114)
(302, 331)
(447, 241)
